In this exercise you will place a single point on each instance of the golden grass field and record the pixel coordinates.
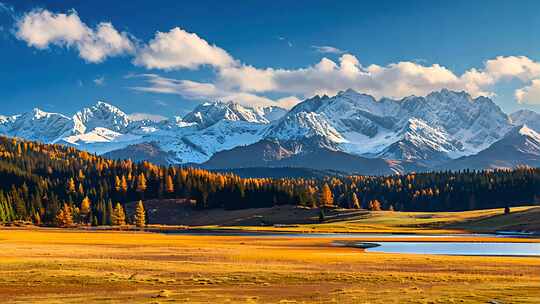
(73, 266)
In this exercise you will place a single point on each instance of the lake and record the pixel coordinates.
(459, 248)
(443, 248)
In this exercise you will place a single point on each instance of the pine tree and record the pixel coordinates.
(64, 218)
(117, 184)
(326, 199)
(109, 213)
(85, 209)
(140, 217)
(141, 183)
(124, 184)
(355, 202)
(71, 185)
(169, 186)
(119, 217)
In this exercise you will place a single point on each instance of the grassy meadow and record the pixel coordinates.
(74, 266)
(362, 221)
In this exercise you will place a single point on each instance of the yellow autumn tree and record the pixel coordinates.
(326, 198)
(64, 217)
(118, 216)
(85, 209)
(140, 216)
(355, 202)
(71, 185)
(117, 184)
(169, 186)
(141, 183)
(123, 184)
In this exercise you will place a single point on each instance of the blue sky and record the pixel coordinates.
(60, 55)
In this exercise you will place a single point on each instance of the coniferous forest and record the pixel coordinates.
(58, 185)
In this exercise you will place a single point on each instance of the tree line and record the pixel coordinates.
(58, 185)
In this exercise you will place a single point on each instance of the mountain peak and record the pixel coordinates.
(526, 117)
(209, 113)
(445, 93)
(38, 113)
(102, 114)
(105, 106)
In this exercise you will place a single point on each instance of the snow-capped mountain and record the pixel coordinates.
(103, 128)
(37, 125)
(349, 130)
(526, 117)
(520, 146)
(101, 115)
(435, 128)
(208, 114)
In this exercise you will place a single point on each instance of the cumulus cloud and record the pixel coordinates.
(529, 94)
(326, 49)
(41, 28)
(207, 91)
(178, 49)
(395, 80)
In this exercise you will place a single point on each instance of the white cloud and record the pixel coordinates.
(326, 49)
(529, 94)
(178, 49)
(100, 81)
(41, 28)
(396, 80)
(207, 91)
(146, 116)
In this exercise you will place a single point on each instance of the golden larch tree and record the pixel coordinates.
(118, 216)
(124, 184)
(355, 202)
(85, 208)
(64, 218)
(169, 186)
(71, 185)
(140, 216)
(141, 183)
(326, 198)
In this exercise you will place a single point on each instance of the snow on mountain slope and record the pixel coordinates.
(38, 125)
(442, 125)
(302, 125)
(526, 117)
(208, 114)
(101, 140)
(101, 115)
(520, 146)
(414, 132)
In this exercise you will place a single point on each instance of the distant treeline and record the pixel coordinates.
(41, 182)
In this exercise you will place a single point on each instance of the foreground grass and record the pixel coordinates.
(51, 266)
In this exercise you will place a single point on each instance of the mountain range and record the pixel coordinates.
(349, 132)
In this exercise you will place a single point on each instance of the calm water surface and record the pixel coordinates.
(459, 248)
(444, 248)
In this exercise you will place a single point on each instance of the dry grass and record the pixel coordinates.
(490, 220)
(52, 266)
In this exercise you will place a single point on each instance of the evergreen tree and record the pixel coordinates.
(355, 203)
(140, 216)
(64, 218)
(119, 217)
(326, 198)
